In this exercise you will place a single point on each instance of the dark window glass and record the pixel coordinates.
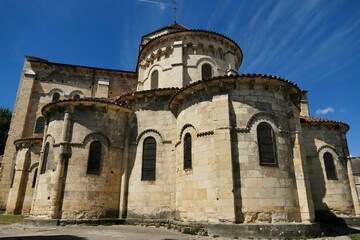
(155, 79)
(56, 97)
(94, 157)
(76, 97)
(329, 166)
(206, 71)
(40, 124)
(34, 178)
(187, 151)
(45, 158)
(149, 159)
(266, 141)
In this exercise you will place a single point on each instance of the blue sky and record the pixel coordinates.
(314, 43)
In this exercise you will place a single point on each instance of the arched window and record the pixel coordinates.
(329, 166)
(94, 158)
(206, 72)
(266, 142)
(76, 97)
(55, 97)
(40, 124)
(45, 158)
(155, 79)
(187, 151)
(34, 178)
(149, 159)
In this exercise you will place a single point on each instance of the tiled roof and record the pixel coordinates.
(305, 119)
(232, 77)
(158, 90)
(40, 60)
(87, 99)
(178, 26)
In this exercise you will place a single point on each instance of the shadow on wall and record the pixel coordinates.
(330, 224)
(23, 184)
(239, 216)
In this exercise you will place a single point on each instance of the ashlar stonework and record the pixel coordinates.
(183, 138)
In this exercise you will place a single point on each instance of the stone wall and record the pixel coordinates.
(328, 195)
(40, 79)
(153, 199)
(85, 195)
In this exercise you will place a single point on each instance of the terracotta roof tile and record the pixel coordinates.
(305, 119)
(178, 26)
(230, 77)
(121, 98)
(88, 99)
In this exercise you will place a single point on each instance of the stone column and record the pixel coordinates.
(230, 61)
(40, 165)
(223, 158)
(177, 72)
(19, 181)
(60, 168)
(302, 182)
(352, 184)
(124, 185)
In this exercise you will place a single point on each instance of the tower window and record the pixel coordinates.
(56, 97)
(266, 142)
(206, 71)
(187, 151)
(329, 166)
(149, 159)
(45, 158)
(40, 124)
(94, 158)
(155, 79)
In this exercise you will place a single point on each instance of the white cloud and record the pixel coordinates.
(325, 110)
(160, 4)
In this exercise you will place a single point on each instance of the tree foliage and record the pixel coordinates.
(5, 119)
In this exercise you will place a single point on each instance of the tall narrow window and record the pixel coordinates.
(94, 158)
(155, 79)
(206, 71)
(12, 178)
(329, 166)
(266, 142)
(34, 178)
(55, 97)
(45, 158)
(187, 151)
(149, 159)
(40, 124)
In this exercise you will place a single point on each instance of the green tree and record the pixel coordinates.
(5, 119)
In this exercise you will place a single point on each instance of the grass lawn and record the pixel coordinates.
(355, 236)
(9, 219)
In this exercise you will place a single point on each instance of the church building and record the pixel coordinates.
(185, 137)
